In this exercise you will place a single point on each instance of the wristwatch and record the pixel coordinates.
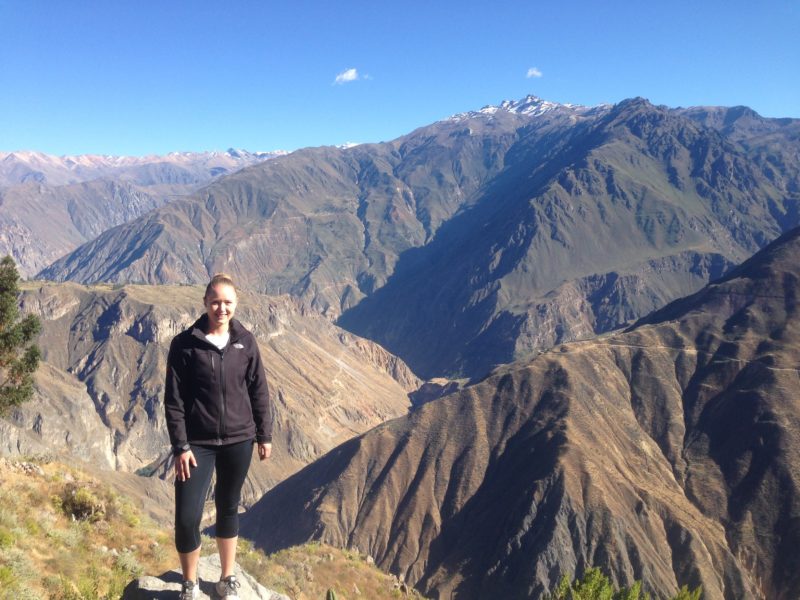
(177, 450)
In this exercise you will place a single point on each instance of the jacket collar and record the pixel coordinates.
(199, 327)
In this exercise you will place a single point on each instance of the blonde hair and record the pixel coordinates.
(219, 279)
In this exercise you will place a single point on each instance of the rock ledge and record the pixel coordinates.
(168, 585)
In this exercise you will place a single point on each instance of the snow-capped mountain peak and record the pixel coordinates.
(530, 105)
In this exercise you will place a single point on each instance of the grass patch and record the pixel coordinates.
(65, 536)
(6, 538)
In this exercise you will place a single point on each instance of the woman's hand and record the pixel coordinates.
(264, 451)
(182, 463)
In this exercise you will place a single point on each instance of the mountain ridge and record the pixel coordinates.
(663, 453)
(563, 202)
(495, 216)
(22, 166)
(50, 205)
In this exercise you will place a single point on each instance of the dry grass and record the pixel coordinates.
(306, 573)
(66, 536)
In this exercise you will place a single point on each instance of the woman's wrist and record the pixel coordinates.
(178, 450)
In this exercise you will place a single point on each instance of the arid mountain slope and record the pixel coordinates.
(325, 224)
(100, 390)
(482, 238)
(39, 223)
(50, 205)
(666, 453)
(641, 205)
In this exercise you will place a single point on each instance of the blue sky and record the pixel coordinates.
(118, 77)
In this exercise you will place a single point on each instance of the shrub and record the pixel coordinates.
(685, 594)
(72, 537)
(594, 585)
(128, 514)
(19, 356)
(18, 563)
(32, 526)
(127, 563)
(82, 503)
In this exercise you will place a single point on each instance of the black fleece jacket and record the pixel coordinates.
(215, 396)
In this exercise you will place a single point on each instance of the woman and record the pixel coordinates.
(217, 404)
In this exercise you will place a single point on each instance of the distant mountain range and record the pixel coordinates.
(49, 205)
(667, 453)
(485, 237)
(176, 167)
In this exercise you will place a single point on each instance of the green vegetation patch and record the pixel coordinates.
(594, 585)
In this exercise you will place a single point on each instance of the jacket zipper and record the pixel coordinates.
(224, 400)
(219, 423)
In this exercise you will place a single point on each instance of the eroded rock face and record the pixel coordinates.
(666, 453)
(59, 420)
(99, 391)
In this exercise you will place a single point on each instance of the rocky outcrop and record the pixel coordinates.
(582, 307)
(168, 585)
(666, 453)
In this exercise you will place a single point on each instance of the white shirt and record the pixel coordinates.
(219, 340)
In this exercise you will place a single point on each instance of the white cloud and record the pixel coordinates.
(533, 72)
(346, 76)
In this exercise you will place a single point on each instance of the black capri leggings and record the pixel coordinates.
(231, 462)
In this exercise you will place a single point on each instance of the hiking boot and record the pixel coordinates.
(226, 588)
(190, 590)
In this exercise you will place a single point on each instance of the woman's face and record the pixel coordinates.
(220, 306)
